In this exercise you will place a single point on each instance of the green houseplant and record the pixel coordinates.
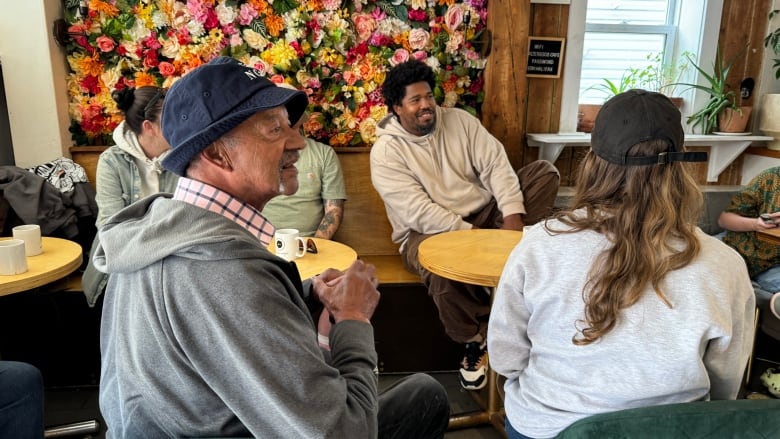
(722, 106)
(662, 77)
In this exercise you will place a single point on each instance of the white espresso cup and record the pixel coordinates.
(288, 244)
(12, 257)
(31, 235)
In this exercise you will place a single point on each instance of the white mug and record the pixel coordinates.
(288, 244)
(12, 258)
(31, 235)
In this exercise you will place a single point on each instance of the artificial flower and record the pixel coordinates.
(337, 51)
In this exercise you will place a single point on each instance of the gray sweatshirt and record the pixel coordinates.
(206, 333)
(695, 350)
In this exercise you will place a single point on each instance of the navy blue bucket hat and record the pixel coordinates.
(213, 99)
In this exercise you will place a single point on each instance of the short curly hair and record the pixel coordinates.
(406, 73)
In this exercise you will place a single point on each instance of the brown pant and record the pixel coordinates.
(464, 308)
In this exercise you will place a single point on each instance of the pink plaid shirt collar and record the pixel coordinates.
(214, 200)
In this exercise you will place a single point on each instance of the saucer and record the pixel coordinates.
(721, 133)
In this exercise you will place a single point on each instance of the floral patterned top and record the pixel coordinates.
(761, 195)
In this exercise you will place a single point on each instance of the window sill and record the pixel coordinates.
(724, 149)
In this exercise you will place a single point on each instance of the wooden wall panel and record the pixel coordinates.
(503, 112)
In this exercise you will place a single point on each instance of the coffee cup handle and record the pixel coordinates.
(300, 248)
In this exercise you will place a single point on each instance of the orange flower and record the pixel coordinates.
(91, 65)
(143, 79)
(259, 5)
(274, 24)
(315, 5)
(104, 8)
(445, 2)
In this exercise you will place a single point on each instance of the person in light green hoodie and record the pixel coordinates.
(131, 169)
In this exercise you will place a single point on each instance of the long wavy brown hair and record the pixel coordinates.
(649, 214)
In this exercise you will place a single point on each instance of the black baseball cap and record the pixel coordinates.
(637, 116)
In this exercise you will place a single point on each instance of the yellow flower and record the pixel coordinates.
(280, 55)
(145, 13)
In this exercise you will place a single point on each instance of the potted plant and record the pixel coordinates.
(586, 113)
(663, 77)
(721, 111)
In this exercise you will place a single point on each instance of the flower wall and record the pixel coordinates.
(337, 51)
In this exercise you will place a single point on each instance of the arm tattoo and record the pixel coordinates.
(331, 220)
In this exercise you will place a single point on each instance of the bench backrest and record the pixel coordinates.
(365, 227)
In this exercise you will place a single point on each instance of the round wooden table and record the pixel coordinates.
(330, 254)
(475, 257)
(60, 258)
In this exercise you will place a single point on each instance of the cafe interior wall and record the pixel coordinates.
(34, 71)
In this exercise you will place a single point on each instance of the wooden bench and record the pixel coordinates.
(365, 227)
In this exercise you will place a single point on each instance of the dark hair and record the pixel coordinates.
(409, 72)
(139, 104)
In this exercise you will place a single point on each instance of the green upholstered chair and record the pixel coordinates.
(742, 419)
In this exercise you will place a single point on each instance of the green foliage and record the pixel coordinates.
(773, 40)
(610, 88)
(661, 76)
(721, 97)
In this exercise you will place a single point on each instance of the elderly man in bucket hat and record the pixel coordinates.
(204, 331)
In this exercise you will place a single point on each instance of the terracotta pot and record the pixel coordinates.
(730, 121)
(586, 116)
(677, 101)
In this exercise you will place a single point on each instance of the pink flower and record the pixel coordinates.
(105, 44)
(246, 14)
(420, 55)
(418, 39)
(365, 26)
(453, 17)
(399, 56)
(166, 69)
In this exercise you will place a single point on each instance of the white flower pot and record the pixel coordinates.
(769, 122)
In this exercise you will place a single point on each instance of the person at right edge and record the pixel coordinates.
(438, 169)
(621, 301)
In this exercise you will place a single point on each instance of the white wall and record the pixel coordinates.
(34, 71)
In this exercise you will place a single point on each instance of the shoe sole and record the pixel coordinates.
(476, 381)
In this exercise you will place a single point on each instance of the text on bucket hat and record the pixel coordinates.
(637, 116)
(213, 99)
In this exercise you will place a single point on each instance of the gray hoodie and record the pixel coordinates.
(206, 333)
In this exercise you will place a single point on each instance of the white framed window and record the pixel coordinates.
(633, 28)
(620, 35)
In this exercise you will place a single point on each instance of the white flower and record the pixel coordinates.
(194, 28)
(254, 39)
(159, 19)
(450, 99)
(139, 31)
(170, 48)
(225, 13)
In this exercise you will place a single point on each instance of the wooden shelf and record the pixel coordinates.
(723, 149)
